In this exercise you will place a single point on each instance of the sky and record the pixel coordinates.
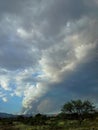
(48, 54)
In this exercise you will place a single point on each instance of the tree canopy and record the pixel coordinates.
(78, 109)
(78, 106)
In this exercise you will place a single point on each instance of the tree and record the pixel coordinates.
(78, 107)
(68, 108)
(40, 119)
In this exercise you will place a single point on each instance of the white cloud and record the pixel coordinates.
(33, 93)
(42, 42)
(83, 50)
(22, 33)
(4, 99)
(4, 84)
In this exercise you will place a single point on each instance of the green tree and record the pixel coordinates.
(78, 107)
(67, 108)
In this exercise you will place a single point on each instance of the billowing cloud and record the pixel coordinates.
(48, 52)
(46, 106)
(4, 99)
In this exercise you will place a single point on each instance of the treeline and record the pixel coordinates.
(73, 110)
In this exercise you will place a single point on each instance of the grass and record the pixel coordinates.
(53, 125)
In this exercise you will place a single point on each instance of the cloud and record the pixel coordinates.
(46, 106)
(47, 50)
(4, 99)
(33, 94)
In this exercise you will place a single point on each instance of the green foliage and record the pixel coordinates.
(67, 108)
(52, 124)
(79, 107)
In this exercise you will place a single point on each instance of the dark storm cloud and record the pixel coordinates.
(60, 12)
(49, 49)
(84, 82)
(57, 13)
(74, 79)
(18, 7)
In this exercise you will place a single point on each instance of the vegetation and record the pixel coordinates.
(78, 109)
(75, 115)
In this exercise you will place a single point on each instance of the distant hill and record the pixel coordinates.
(6, 115)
